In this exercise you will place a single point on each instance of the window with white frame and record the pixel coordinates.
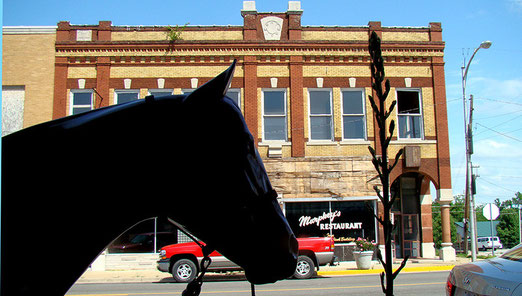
(274, 115)
(127, 95)
(354, 121)
(81, 101)
(235, 95)
(160, 92)
(409, 109)
(320, 106)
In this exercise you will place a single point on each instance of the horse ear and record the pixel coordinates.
(215, 88)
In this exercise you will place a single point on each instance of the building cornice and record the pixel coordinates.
(26, 30)
(249, 47)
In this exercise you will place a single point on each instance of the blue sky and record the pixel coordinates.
(494, 77)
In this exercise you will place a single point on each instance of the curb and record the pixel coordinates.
(149, 278)
(378, 271)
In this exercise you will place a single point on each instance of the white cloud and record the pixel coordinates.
(496, 89)
(515, 4)
(492, 149)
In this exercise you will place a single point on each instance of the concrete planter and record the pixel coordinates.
(363, 259)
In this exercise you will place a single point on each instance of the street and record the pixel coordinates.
(431, 283)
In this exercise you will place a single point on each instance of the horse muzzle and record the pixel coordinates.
(269, 267)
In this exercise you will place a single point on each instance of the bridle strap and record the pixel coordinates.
(194, 287)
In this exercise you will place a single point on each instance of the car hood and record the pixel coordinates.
(489, 277)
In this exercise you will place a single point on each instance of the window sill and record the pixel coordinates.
(335, 143)
(274, 143)
(355, 142)
(321, 143)
(413, 141)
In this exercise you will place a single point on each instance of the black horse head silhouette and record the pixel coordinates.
(72, 185)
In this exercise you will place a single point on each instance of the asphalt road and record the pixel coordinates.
(428, 283)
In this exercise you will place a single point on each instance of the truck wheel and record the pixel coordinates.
(305, 268)
(184, 270)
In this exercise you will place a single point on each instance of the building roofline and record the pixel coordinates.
(22, 30)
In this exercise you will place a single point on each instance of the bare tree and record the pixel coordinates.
(381, 162)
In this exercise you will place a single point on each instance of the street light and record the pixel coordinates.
(485, 44)
(469, 151)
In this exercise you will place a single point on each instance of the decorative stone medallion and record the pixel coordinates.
(272, 27)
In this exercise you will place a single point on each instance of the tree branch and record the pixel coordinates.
(382, 284)
(378, 191)
(391, 128)
(379, 257)
(372, 210)
(373, 104)
(392, 106)
(377, 164)
(403, 263)
(397, 156)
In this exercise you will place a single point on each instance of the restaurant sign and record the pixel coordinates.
(344, 220)
(330, 217)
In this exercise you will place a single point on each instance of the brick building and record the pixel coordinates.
(303, 91)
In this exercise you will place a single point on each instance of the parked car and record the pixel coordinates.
(488, 242)
(183, 260)
(144, 243)
(500, 276)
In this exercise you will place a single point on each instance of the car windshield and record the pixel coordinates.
(514, 254)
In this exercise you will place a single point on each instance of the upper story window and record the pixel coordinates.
(160, 92)
(409, 109)
(127, 95)
(81, 101)
(274, 115)
(354, 122)
(188, 91)
(235, 95)
(320, 114)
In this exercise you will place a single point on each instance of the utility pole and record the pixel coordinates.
(466, 195)
(471, 182)
(469, 151)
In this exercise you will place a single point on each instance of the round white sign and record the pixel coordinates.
(490, 211)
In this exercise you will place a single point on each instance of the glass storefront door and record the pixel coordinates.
(406, 211)
(410, 229)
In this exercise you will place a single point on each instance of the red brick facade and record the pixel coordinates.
(300, 59)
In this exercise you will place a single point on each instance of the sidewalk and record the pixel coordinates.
(344, 268)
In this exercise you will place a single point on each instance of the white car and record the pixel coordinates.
(501, 276)
(488, 242)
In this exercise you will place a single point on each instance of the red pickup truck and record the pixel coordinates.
(183, 260)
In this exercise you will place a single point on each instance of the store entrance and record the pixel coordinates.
(406, 216)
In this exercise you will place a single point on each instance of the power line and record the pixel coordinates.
(502, 134)
(513, 177)
(496, 185)
(504, 122)
(501, 101)
(495, 135)
(498, 115)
